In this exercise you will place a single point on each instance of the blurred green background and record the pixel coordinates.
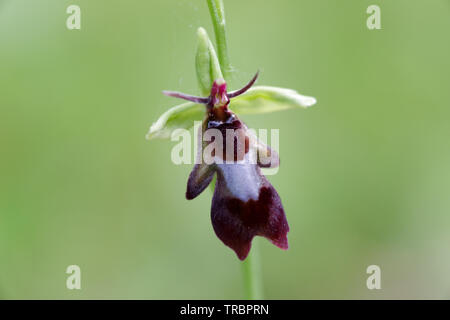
(365, 174)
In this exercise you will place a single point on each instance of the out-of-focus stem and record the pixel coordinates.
(251, 272)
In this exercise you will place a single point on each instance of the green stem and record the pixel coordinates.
(251, 270)
(251, 266)
(217, 11)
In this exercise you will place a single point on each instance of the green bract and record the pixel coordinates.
(259, 99)
(206, 63)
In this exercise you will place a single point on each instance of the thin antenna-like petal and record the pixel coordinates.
(244, 89)
(186, 97)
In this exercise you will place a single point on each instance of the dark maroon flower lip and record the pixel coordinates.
(244, 203)
(236, 221)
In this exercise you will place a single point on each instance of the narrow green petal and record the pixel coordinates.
(265, 99)
(181, 116)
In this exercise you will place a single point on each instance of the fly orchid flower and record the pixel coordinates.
(244, 204)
